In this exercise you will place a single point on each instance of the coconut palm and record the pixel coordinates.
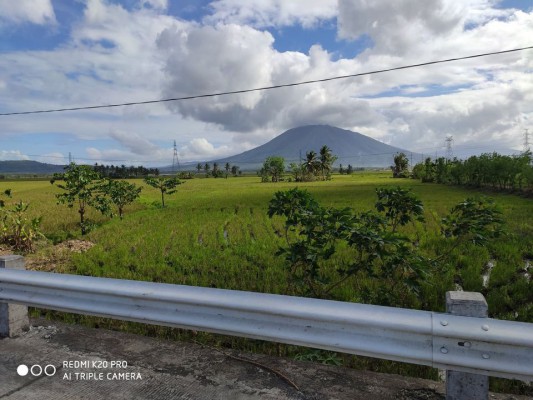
(311, 163)
(326, 161)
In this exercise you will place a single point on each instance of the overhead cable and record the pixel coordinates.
(199, 96)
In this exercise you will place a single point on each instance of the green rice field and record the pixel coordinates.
(216, 233)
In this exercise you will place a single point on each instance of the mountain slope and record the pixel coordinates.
(29, 167)
(350, 148)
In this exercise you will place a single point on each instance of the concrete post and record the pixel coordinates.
(13, 317)
(464, 385)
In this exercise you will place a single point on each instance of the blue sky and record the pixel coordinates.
(56, 54)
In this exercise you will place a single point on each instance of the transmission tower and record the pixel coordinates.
(449, 151)
(526, 140)
(175, 160)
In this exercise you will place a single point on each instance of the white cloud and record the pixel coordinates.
(404, 27)
(38, 12)
(272, 13)
(202, 149)
(134, 142)
(117, 55)
(13, 155)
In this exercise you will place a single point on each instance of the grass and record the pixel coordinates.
(216, 233)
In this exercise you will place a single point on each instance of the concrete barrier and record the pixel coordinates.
(13, 317)
(465, 385)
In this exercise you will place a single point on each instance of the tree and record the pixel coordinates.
(400, 206)
(164, 185)
(216, 171)
(314, 233)
(207, 168)
(122, 193)
(401, 166)
(227, 167)
(297, 171)
(326, 162)
(235, 170)
(273, 169)
(311, 163)
(82, 186)
(199, 167)
(373, 246)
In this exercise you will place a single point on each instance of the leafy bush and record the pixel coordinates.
(314, 234)
(372, 246)
(16, 228)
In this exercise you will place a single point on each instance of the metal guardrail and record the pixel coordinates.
(478, 345)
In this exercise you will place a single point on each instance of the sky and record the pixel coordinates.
(60, 54)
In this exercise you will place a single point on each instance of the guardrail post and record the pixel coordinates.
(464, 385)
(13, 317)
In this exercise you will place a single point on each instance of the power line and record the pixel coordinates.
(355, 157)
(268, 87)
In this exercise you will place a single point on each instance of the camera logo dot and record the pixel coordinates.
(36, 370)
(22, 370)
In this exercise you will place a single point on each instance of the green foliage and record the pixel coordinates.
(83, 187)
(490, 170)
(314, 233)
(216, 172)
(273, 168)
(17, 229)
(291, 204)
(164, 185)
(349, 170)
(315, 166)
(400, 206)
(320, 356)
(121, 193)
(401, 166)
(370, 243)
(235, 170)
(326, 162)
(473, 220)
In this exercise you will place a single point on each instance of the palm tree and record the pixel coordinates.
(227, 167)
(326, 161)
(311, 163)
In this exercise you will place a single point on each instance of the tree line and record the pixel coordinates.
(124, 172)
(490, 170)
(216, 171)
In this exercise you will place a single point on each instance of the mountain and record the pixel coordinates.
(350, 148)
(29, 167)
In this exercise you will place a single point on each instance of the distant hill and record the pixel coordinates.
(29, 167)
(350, 148)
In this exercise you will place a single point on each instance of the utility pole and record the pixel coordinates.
(175, 160)
(526, 140)
(449, 151)
(69, 158)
